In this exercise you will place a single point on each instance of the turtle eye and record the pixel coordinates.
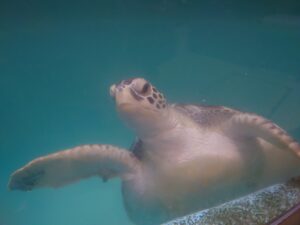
(146, 89)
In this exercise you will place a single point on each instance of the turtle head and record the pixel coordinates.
(139, 104)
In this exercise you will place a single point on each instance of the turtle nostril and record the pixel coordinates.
(128, 81)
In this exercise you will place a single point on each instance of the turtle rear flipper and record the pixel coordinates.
(71, 165)
(247, 124)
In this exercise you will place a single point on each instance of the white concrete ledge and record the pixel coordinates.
(262, 207)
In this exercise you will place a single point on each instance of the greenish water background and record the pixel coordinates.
(58, 59)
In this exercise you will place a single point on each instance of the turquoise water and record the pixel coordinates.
(57, 61)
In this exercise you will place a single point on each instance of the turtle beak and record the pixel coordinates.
(112, 91)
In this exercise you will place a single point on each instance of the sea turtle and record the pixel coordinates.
(185, 158)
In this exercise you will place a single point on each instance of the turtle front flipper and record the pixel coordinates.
(247, 124)
(71, 165)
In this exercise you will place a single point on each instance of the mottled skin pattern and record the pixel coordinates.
(186, 157)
